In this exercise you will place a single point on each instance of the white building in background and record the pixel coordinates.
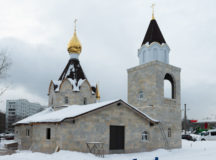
(19, 109)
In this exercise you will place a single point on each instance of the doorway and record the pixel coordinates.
(117, 136)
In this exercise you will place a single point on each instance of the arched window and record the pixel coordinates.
(169, 86)
(145, 136)
(167, 89)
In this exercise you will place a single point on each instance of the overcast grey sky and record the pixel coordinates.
(36, 33)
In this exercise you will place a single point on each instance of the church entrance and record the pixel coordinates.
(117, 136)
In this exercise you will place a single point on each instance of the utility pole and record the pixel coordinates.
(185, 117)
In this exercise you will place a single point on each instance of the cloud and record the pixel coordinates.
(36, 34)
(199, 100)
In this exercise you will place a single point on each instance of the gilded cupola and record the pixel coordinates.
(74, 45)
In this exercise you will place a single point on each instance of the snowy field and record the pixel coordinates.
(200, 150)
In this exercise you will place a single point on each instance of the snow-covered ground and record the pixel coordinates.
(199, 150)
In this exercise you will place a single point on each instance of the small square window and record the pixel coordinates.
(145, 136)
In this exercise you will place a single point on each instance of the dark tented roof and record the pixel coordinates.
(73, 70)
(153, 34)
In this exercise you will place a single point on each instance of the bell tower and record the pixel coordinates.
(146, 84)
(154, 47)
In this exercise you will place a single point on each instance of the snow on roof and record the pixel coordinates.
(57, 85)
(76, 85)
(35, 117)
(50, 115)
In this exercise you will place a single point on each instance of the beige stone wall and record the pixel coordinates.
(39, 141)
(149, 78)
(36, 141)
(95, 126)
(24, 140)
(74, 97)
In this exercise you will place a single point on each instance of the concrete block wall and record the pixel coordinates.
(149, 78)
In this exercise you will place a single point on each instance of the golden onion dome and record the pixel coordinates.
(74, 45)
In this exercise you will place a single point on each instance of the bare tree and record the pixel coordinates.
(5, 63)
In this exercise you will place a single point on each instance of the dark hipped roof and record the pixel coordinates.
(73, 70)
(153, 34)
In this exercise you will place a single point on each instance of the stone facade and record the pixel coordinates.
(72, 134)
(148, 80)
(57, 98)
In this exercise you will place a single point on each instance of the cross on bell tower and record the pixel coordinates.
(152, 6)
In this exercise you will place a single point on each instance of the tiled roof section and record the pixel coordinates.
(153, 34)
(73, 70)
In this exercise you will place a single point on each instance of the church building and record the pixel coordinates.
(75, 119)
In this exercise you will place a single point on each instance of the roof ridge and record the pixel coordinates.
(63, 114)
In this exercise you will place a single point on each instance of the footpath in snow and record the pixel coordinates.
(199, 150)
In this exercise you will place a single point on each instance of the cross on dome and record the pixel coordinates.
(152, 6)
(74, 45)
(75, 21)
